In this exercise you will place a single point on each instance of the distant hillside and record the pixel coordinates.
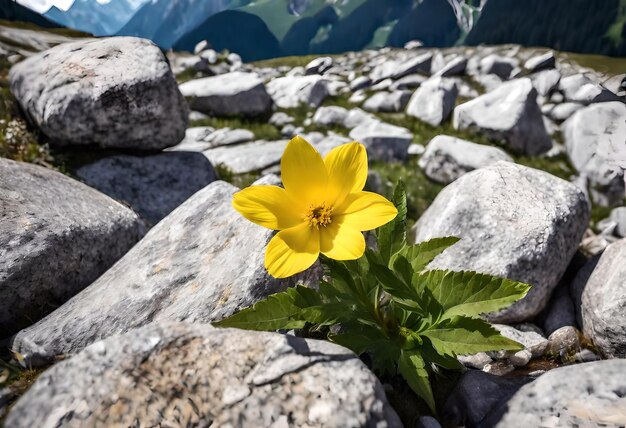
(100, 19)
(165, 21)
(585, 26)
(12, 11)
(322, 26)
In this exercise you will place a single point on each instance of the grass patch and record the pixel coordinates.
(15, 381)
(17, 140)
(603, 64)
(558, 166)
(421, 191)
(289, 61)
(61, 31)
(238, 180)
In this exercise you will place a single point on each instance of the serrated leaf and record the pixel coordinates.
(471, 294)
(420, 255)
(330, 313)
(430, 354)
(392, 236)
(278, 311)
(464, 335)
(412, 367)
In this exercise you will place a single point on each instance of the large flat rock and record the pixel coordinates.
(112, 92)
(230, 94)
(514, 222)
(201, 263)
(509, 114)
(57, 236)
(172, 374)
(595, 139)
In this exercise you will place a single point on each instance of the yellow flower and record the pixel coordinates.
(322, 209)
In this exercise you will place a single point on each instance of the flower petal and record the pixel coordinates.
(341, 241)
(303, 172)
(365, 211)
(347, 170)
(267, 206)
(292, 251)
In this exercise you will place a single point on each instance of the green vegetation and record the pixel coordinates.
(410, 321)
(238, 180)
(17, 140)
(603, 64)
(421, 191)
(286, 61)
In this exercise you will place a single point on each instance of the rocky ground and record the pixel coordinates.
(121, 245)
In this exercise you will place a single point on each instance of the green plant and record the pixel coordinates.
(411, 321)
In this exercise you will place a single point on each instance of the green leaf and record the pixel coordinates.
(392, 236)
(420, 255)
(403, 294)
(465, 335)
(412, 367)
(278, 311)
(470, 293)
(330, 313)
(430, 354)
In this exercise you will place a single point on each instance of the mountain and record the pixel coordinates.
(584, 26)
(165, 21)
(100, 19)
(324, 26)
(12, 11)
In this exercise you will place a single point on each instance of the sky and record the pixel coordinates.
(43, 5)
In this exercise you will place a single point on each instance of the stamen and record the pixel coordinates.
(320, 215)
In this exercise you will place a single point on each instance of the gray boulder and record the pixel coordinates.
(532, 341)
(582, 395)
(498, 65)
(410, 82)
(515, 222)
(57, 236)
(448, 158)
(360, 82)
(330, 116)
(387, 102)
(433, 101)
(455, 67)
(201, 138)
(292, 91)
(595, 139)
(202, 263)
(604, 302)
(230, 94)
(112, 92)
(618, 217)
(318, 65)
(397, 69)
(383, 141)
(152, 185)
(581, 89)
(248, 157)
(356, 117)
(509, 113)
(564, 111)
(546, 81)
(176, 374)
(476, 395)
(541, 62)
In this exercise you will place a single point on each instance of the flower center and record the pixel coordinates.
(320, 215)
